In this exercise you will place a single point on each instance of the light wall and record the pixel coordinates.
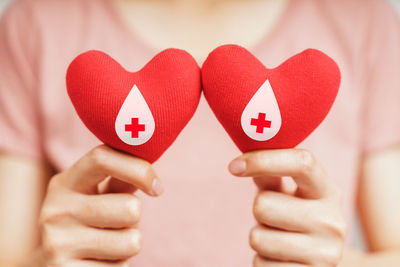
(396, 3)
(3, 3)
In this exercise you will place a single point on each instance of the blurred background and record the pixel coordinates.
(3, 4)
(396, 3)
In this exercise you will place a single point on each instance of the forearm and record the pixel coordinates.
(356, 258)
(378, 204)
(35, 259)
(22, 186)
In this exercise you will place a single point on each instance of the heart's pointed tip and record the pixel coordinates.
(150, 159)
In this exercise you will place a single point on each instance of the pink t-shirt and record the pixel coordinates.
(205, 215)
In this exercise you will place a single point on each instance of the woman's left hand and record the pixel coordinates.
(304, 226)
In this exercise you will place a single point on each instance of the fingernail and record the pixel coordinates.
(237, 166)
(157, 188)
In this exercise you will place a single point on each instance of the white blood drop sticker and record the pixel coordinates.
(261, 119)
(135, 123)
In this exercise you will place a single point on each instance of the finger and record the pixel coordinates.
(281, 245)
(308, 174)
(93, 263)
(283, 184)
(69, 240)
(269, 183)
(103, 162)
(111, 245)
(113, 185)
(284, 212)
(263, 262)
(118, 186)
(108, 211)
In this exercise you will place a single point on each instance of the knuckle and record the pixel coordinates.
(307, 161)
(339, 229)
(148, 172)
(46, 215)
(98, 157)
(51, 244)
(54, 182)
(255, 238)
(333, 226)
(52, 211)
(258, 208)
(330, 256)
(49, 214)
(133, 207)
(91, 205)
(257, 160)
(133, 242)
(261, 204)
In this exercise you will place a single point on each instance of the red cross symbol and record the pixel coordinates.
(261, 123)
(134, 128)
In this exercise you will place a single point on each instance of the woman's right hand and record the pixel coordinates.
(85, 225)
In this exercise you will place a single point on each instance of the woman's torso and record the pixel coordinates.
(205, 214)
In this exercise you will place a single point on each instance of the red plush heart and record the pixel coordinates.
(142, 112)
(263, 108)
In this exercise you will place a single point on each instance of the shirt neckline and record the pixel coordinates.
(276, 29)
(257, 47)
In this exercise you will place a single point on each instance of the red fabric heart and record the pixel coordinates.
(169, 84)
(304, 88)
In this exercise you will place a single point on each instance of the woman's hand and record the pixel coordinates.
(89, 219)
(299, 227)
